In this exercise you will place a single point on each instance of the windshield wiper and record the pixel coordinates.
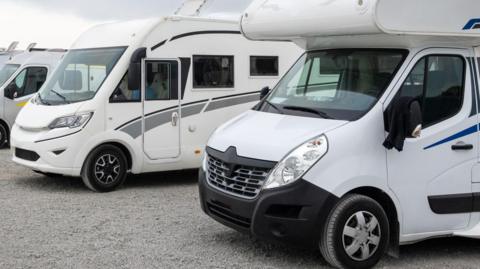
(43, 102)
(61, 96)
(274, 106)
(309, 110)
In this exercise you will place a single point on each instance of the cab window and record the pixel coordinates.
(28, 81)
(437, 81)
(123, 94)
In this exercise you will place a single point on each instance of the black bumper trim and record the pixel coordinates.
(293, 214)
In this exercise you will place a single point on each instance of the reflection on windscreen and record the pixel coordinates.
(6, 72)
(338, 84)
(80, 75)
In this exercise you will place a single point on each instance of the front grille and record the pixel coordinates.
(227, 215)
(238, 180)
(26, 155)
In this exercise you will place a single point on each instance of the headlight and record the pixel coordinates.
(74, 121)
(297, 163)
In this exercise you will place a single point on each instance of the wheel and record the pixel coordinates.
(3, 136)
(105, 169)
(356, 233)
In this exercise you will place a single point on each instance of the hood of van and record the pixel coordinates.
(34, 116)
(267, 136)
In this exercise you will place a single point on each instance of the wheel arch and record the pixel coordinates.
(7, 128)
(120, 146)
(390, 209)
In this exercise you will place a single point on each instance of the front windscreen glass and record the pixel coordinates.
(335, 84)
(79, 76)
(7, 71)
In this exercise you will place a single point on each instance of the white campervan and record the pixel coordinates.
(370, 141)
(186, 76)
(21, 76)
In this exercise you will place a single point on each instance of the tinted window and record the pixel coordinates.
(438, 82)
(28, 81)
(161, 81)
(213, 72)
(263, 66)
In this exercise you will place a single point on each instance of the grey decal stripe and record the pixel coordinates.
(156, 120)
(192, 110)
(214, 105)
(133, 129)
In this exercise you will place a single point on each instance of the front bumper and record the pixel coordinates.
(294, 214)
(56, 155)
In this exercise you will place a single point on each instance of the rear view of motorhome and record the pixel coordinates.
(21, 76)
(369, 142)
(144, 96)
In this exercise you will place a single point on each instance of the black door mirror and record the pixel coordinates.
(264, 92)
(10, 92)
(135, 69)
(404, 119)
(414, 122)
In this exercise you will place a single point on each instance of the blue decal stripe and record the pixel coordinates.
(458, 135)
(471, 24)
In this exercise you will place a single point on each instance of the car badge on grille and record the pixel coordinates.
(230, 171)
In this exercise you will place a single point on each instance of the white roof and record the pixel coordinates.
(307, 21)
(49, 58)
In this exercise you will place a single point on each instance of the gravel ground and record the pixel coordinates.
(154, 221)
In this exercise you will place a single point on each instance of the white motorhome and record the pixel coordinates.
(370, 141)
(186, 76)
(20, 78)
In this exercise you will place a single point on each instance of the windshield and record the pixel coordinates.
(335, 84)
(79, 76)
(7, 71)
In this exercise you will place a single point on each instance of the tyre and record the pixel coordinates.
(356, 233)
(105, 169)
(3, 136)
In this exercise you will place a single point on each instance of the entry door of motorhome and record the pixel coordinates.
(432, 175)
(19, 90)
(161, 108)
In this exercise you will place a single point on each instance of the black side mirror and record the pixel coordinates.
(414, 122)
(135, 69)
(10, 92)
(264, 92)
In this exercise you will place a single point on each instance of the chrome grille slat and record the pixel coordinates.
(245, 181)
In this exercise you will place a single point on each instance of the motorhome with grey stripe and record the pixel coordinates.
(144, 96)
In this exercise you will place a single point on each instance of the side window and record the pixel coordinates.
(29, 81)
(161, 80)
(213, 71)
(437, 81)
(263, 65)
(123, 94)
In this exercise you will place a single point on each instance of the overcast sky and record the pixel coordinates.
(57, 23)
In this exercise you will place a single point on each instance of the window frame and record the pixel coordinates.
(464, 83)
(264, 76)
(195, 87)
(13, 78)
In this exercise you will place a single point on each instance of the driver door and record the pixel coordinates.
(161, 108)
(432, 176)
(22, 88)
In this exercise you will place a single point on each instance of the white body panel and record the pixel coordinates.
(145, 128)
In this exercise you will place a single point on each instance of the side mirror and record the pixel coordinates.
(264, 92)
(10, 92)
(135, 69)
(414, 122)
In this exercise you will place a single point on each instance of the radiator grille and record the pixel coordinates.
(238, 180)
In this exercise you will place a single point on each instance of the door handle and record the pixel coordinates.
(174, 119)
(462, 146)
